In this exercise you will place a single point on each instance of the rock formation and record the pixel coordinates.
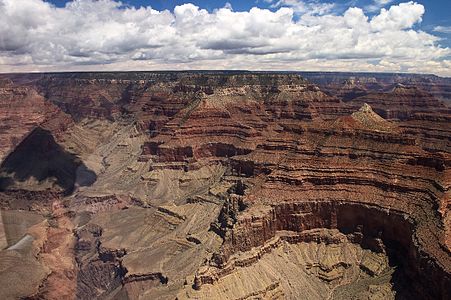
(225, 185)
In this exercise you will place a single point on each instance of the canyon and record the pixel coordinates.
(225, 185)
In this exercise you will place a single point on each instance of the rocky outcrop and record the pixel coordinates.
(99, 270)
(235, 184)
(39, 160)
(351, 85)
(22, 109)
(406, 103)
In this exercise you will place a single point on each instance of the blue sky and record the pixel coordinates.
(438, 12)
(345, 35)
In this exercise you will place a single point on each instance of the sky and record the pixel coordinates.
(278, 35)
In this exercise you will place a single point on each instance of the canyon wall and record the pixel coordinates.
(227, 184)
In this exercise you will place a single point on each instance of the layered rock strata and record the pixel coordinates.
(230, 185)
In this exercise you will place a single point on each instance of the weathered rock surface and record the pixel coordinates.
(225, 185)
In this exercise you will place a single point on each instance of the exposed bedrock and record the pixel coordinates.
(185, 154)
(406, 103)
(352, 85)
(22, 108)
(379, 230)
(241, 185)
(39, 160)
(99, 271)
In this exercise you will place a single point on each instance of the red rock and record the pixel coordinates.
(242, 165)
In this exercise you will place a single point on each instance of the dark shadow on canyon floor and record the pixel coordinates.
(40, 157)
(403, 284)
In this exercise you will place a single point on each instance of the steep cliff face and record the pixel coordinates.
(406, 103)
(230, 185)
(22, 108)
(351, 85)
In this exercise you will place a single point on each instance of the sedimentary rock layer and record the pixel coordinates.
(230, 185)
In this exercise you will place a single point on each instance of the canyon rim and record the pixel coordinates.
(241, 149)
(225, 185)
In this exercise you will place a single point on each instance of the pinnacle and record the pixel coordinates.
(366, 108)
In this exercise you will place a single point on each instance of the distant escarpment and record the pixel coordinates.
(226, 185)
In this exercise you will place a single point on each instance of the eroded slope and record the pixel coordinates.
(229, 185)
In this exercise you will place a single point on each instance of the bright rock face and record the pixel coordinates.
(225, 185)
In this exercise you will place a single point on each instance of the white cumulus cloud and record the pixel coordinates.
(401, 16)
(108, 35)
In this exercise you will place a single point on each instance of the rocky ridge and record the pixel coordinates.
(230, 185)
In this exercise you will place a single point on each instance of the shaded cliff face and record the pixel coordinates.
(40, 161)
(22, 108)
(227, 185)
